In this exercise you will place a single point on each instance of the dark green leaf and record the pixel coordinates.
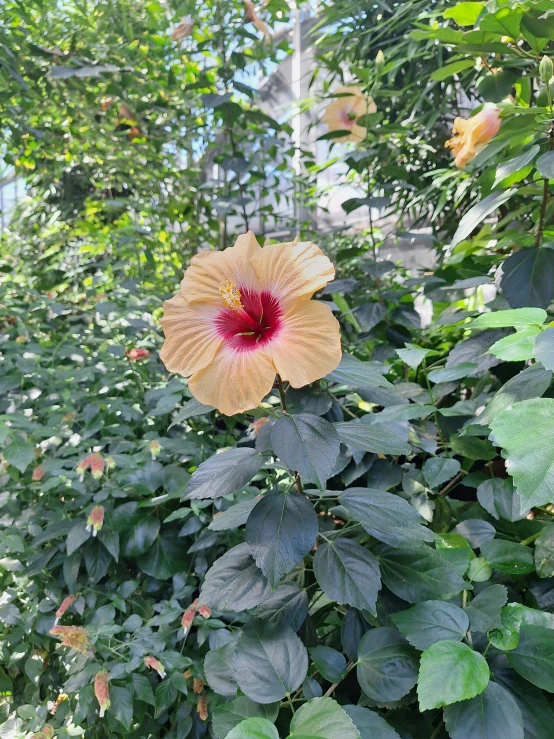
(419, 574)
(19, 452)
(387, 665)
(544, 552)
(508, 557)
(224, 473)
(438, 470)
(306, 444)
(431, 621)
(218, 668)
(533, 658)
(528, 277)
(498, 497)
(370, 724)
(479, 212)
(348, 573)
(370, 436)
(227, 715)
(121, 705)
(281, 530)
(269, 663)
(233, 582)
(484, 610)
(357, 374)
(330, 664)
(164, 558)
(494, 714)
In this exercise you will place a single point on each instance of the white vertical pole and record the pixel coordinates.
(296, 84)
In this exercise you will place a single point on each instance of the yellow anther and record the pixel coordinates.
(230, 295)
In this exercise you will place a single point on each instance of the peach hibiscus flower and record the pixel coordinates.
(343, 112)
(471, 135)
(243, 315)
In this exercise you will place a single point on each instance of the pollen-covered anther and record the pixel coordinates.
(230, 295)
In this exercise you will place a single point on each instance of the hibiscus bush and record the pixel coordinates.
(304, 490)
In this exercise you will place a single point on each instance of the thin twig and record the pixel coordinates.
(332, 688)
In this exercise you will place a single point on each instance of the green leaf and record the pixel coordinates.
(544, 348)
(493, 713)
(472, 447)
(485, 609)
(330, 664)
(451, 374)
(498, 497)
(254, 728)
(443, 73)
(532, 382)
(357, 374)
(525, 431)
(224, 473)
(513, 617)
(370, 724)
(287, 604)
(141, 536)
(544, 552)
(227, 715)
(450, 672)
(465, 13)
(121, 705)
(269, 663)
(233, 517)
(76, 537)
(192, 408)
(348, 573)
(386, 516)
(281, 530)
(533, 658)
(164, 697)
(517, 347)
(419, 574)
(538, 714)
(324, 718)
(413, 355)
(479, 212)
(438, 470)
(497, 85)
(164, 558)
(511, 167)
(368, 436)
(431, 621)
(19, 453)
(518, 318)
(142, 688)
(233, 582)
(545, 165)
(218, 668)
(508, 557)
(306, 444)
(387, 665)
(528, 277)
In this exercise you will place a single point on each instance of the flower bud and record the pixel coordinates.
(74, 637)
(202, 708)
(155, 448)
(95, 519)
(379, 60)
(110, 463)
(155, 664)
(188, 618)
(102, 691)
(64, 605)
(38, 473)
(97, 465)
(197, 686)
(48, 731)
(205, 611)
(546, 69)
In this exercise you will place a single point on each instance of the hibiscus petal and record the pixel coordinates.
(308, 346)
(191, 338)
(292, 271)
(210, 268)
(236, 381)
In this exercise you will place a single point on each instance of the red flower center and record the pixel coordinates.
(254, 324)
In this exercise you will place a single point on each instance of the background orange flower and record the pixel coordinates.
(344, 111)
(471, 135)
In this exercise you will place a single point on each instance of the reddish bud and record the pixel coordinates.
(205, 611)
(155, 448)
(74, 637)
(97, 465)
(102, 691)
(197, 686)
(188, 618)
(64, 605)
(155, 664)
(202, 708)
(135, 354)
(95, 519)
(38, 473)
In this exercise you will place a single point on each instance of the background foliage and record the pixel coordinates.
(378, 560)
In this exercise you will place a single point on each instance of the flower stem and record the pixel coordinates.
(282, 394)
